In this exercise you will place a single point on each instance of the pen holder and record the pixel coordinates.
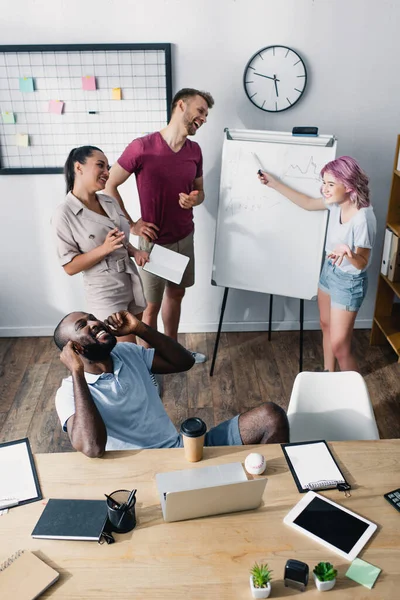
(121, 520)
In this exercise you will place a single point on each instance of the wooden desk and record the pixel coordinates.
(205, 558)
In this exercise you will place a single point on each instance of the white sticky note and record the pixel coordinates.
(22, 139)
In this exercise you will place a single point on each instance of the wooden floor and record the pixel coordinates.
(249, 370)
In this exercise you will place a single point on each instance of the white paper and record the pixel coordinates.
(313, 462)
(16, 477)
(167, 264)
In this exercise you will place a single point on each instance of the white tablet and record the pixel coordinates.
(330, 524)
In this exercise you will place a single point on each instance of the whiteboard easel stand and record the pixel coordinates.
(275, 137)
(271, 298)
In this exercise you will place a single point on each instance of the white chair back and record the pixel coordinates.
(331, 406)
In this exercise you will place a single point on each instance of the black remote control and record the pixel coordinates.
(393, 498)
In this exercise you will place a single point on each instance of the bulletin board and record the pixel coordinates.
(57, 97)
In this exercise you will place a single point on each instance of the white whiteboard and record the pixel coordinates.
(265, 243)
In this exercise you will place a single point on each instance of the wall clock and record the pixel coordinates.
(275, 78)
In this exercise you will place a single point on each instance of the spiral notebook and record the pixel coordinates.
(24, 576)
(313, 466)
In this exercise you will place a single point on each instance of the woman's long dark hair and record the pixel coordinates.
(76, 155)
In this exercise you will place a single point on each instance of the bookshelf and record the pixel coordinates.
(386, 323)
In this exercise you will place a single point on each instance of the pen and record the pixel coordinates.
(260, 171)
(131, 497)
(126, 506)
(8, 503)
(116, 505)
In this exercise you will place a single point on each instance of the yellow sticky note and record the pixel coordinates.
(22, 140)
(116, 94)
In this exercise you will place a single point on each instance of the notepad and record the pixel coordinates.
(166, 264)
(72, 520)
(312, 466)
(19, 482)
(24, 576)
(363, 572)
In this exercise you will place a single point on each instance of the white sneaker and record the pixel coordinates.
(198, 357)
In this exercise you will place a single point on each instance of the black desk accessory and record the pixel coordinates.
(121, 510)
(296, 574)
(393, 498)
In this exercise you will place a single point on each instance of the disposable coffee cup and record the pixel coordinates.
(193, 432)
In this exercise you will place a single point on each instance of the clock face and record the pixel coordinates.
(275, 78)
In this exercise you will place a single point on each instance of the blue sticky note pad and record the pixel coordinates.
(363, 572)
(26, 84)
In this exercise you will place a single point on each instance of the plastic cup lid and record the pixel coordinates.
(193, 427)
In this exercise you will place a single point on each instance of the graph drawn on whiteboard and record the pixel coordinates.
(311, 171)
(264, 242)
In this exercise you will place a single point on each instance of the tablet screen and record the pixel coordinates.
(331, 524)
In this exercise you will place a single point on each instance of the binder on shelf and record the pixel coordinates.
(386, 251)
(394, 260)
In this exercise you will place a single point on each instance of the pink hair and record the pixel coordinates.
(349, 173)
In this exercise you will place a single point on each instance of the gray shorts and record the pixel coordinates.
(225, 434)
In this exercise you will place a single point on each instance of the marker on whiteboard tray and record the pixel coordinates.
(92, 112)
(305, 131)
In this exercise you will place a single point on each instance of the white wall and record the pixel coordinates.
(352, 50)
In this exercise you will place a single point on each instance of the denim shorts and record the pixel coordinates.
(225, 434)
(347, 291)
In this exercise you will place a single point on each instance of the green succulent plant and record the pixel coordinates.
(261, 575)
(325, 571)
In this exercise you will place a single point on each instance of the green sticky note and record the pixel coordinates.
(8, 117)
(362, 572)
(26, 84)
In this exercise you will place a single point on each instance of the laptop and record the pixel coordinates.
(194, 493)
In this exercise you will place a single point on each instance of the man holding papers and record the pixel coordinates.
(110, 403)
(169, 176)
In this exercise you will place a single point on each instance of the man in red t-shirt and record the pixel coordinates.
(169, 176)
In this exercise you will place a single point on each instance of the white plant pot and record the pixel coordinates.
(259, 592)
(324, 586)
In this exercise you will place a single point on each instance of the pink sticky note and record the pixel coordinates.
(89, 83)
(56, 107)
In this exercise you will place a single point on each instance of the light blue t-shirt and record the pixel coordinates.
(359, 232)
(127, 401)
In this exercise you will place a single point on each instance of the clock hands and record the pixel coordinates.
(276, 86)
(274, 79)
(266, 76)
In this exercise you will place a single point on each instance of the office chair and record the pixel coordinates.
(331, 406)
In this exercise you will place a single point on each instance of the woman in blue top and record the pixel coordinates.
(350, 238)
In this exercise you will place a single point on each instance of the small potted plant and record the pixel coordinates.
(324, 576)
(260, 577)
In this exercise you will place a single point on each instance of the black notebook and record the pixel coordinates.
(72, 520)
